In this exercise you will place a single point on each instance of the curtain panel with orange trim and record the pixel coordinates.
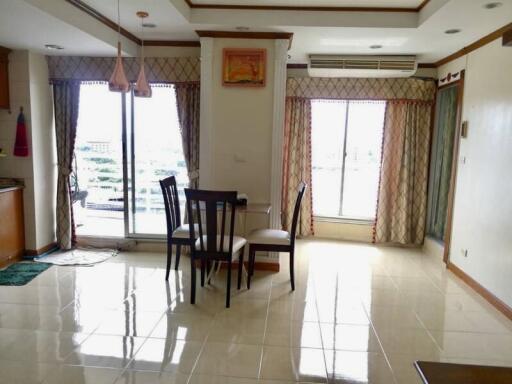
(402, 196)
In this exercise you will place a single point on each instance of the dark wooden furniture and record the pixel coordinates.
(177, 234)
(212, 244)
(446, 373)
(275, 240)
(4, 78)
(12, 230)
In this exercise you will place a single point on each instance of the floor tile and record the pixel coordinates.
(149, 377)
(359, 314)
(350, 367)
(169, 355)
(19, 372)
(224, 359)
(65, 374)
(105, 351)
(350, 337)
(293, 364)
(293, 334)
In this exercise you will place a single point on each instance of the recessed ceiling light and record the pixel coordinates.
(242, 28)
(376, 46)
(496, 4)
(452, 31)
(149, 25)
(53, 47)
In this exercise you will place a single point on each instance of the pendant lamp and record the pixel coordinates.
(118, 81)
(142, 87)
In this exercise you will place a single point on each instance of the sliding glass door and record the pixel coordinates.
(124, 146)
(154, 153)
(97, 178)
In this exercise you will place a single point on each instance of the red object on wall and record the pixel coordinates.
(21, 144)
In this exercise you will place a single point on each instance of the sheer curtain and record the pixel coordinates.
(66, 96)
(297, 163)
(402, 199)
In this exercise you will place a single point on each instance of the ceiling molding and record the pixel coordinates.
(507, 38)
(171, 43)
(193, 5)
(103, 19)
(477, 44)
(113, 25)
(427, 65)
(248, 35)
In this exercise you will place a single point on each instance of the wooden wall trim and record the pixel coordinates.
(248, 35)
(481, 290)
(507, 38)
(193, 5)
(103, 19)
(40, 251)
(474, 46)
(171, 43)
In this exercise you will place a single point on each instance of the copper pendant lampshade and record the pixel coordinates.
(118, 81)
(142, 87)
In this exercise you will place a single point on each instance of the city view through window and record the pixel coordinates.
(155, 153)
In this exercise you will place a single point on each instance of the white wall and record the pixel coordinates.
(482, 221)
(241, 127)
(28, 82)
(43, 143)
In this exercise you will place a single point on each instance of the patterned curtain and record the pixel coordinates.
(402, 200)
(297, 164)
(66, 99)
(187, 99)
(441, 160)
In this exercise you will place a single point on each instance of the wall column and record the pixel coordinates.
(206, 137)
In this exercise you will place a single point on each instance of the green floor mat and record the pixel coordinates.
(21, 273)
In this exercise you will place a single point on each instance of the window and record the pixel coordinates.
(346, 155)
(101, 172)
(156, 153)
(97, 180)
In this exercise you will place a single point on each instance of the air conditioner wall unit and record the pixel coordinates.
(361, 66)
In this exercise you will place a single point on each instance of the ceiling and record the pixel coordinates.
(29, 24)
(23, 26)
(318, 3)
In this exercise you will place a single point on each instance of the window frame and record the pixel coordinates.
(341, 218)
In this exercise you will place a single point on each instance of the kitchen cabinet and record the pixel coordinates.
(12, 229)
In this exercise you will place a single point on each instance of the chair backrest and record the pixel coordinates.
(207, 210)
(300, 193)
(171, 202)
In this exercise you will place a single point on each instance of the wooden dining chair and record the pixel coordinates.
(212, 244)
(177, 234)
(276, 240)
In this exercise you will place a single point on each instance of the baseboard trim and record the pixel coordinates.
(482, 291)
(258, 266)
(40, 251)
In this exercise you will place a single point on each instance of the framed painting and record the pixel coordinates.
(244, 67)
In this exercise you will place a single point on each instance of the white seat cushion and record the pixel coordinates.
(238, 243)
(269, 236)
(182, 232)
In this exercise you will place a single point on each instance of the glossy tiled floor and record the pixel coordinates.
(360, 314)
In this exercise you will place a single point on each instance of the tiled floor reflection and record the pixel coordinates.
(360, 314)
